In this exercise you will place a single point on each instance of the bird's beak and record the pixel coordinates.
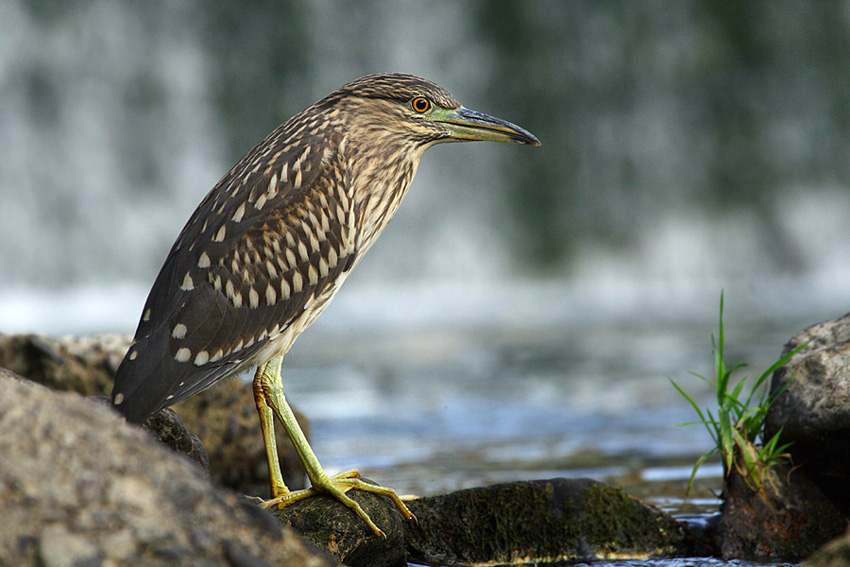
(471, 125)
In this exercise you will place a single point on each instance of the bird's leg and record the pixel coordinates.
(264, 376)
(272, 397)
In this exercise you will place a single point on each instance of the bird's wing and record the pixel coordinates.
(273, 235)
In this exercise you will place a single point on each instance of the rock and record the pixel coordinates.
(79, 486)
(223, 416)
(331, 525)
(785, 520)
(814, 411)
(166, 426)
(85, 365)
(559, 520)
(834, 554)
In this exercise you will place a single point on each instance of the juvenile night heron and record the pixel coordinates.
(267, 249)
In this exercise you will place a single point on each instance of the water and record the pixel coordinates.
(438, 407)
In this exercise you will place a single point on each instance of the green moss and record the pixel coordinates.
(556, 520)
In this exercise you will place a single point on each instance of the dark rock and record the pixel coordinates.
(834, 554)
(331, 525)
(169, 429)
(80, 486)
(559, 520)
(225, 416)
(813, 412)
(786, 519)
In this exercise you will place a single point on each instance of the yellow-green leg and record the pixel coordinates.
(268, 394)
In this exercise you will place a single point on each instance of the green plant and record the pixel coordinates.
(737, 427)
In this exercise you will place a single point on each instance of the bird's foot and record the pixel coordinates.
(337, 486)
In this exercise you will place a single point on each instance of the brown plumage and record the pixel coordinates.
(267, 249)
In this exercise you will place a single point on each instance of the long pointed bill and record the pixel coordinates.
(471, 125)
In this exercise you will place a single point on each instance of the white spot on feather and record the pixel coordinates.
(239, 213)
(202, 358)
(302, 252)
(204, 260)
(188, 284)
(183, 355)
(179, 331)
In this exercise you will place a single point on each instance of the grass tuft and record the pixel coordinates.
(737, 425)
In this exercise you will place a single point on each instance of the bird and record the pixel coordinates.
(270, 245)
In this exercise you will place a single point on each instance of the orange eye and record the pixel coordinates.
(421, 104)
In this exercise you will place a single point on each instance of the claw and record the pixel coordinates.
(337, 486)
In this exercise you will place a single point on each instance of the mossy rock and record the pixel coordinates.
(555, 520)
(330, 525)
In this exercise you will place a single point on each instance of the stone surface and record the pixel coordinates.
(814, 411)
(834, 554)
(79, 486)
(331, 525)
(167, 426)
(787, 519)
(224, 416)
(540, 521)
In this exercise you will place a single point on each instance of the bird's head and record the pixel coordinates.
(417, 111)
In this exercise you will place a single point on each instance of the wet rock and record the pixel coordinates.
(557, 520)
(224, 417)
(332, 526)
(814, 411)
(785, 519)
(834, 554)
(79, 486)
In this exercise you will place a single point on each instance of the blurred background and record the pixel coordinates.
(688, 147)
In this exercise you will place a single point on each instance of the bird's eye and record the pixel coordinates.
(421, 104)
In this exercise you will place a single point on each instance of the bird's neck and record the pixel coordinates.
(379, 185)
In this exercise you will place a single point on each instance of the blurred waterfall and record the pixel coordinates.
(687, 147)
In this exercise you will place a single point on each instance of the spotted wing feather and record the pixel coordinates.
(266, 242)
